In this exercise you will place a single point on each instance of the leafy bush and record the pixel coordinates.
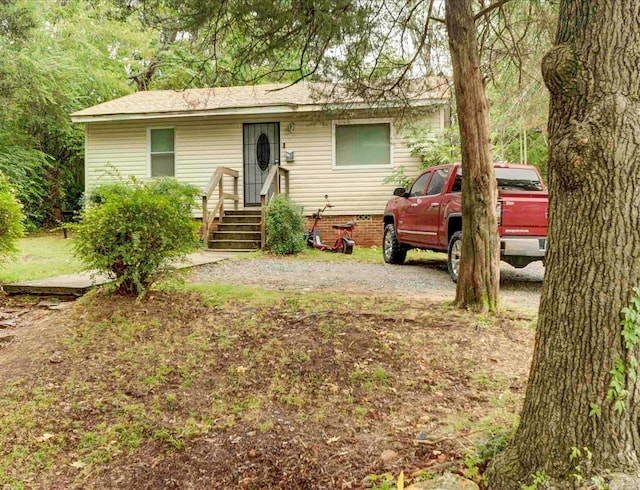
(285, 226)
(11, 226)
(433, 147)
(430, 146)
(439, 148)
(27, 171)
(133, 230)
(399, 178)
(537, 150)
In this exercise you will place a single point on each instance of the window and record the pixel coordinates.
(512, 179)
(435, 186)
(359, 145)
(457, 183)
(417, 189)
(518, 179)
(162, 152)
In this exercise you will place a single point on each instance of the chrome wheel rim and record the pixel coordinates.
(388, 245)
(456, 250)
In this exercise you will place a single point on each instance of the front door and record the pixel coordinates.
(261, 143)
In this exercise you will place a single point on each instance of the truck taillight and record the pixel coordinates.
(499, 212)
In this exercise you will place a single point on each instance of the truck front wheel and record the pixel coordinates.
(455, 251)
(392, 251)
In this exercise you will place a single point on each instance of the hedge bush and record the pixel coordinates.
(285, 226)
(134, 230)
(11, 219)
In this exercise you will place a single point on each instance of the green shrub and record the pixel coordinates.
(433, 147)
(134, 230)
(11, 219)
(27, 171)
(285, 226)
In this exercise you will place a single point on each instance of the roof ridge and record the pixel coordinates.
(197, 100)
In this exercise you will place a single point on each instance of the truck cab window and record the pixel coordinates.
(518, 179)
(509, 179)
(457, 183)
(417, 189)
(437, 181)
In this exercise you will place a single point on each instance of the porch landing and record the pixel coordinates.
(78, 284)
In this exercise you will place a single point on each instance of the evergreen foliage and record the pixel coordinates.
(439, 148)
(134, 230)
(285, 226)
(433, 148)
(11, 227)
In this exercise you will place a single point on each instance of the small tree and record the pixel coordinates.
(285, 226)
(134, 230)
(11, 218)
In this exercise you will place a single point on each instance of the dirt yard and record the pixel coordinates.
(328, 375)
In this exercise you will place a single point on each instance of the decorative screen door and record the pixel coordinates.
(261, 142)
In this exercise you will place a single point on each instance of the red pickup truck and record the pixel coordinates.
(428, 216)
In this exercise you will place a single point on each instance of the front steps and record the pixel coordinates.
(237, 231)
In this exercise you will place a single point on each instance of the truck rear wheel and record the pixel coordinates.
(392, 251)
(455, 252)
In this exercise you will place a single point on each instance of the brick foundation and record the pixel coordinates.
(368, 230)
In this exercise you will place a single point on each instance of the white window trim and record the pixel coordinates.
(175, 163)
(350, 122)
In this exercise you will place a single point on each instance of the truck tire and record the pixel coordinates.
(392, 251)
(453, 258)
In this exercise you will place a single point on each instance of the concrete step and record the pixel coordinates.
(230, 250)
(234, 244)
(246, 218)
(244, 227)
(236, 235)
(242, 212)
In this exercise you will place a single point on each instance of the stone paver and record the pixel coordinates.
(78, 284)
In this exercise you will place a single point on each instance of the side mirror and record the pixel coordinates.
(400, 192)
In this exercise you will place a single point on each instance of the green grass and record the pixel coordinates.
(40, 256)
(367, 255)
(51, 255)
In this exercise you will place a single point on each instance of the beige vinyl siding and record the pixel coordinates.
(203, 143)
(115, 147)
(350, 190)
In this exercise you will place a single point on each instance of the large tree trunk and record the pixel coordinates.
(479, 274)
(593, 74)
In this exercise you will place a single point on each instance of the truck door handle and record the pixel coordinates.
(435, 204)
(414, 205)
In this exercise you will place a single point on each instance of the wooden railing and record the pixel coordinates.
(217, 181)
(272, 187)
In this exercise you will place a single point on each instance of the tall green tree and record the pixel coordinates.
(61, 58)
(581, 414)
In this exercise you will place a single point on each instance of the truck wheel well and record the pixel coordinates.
(388, 220)
(455, 224)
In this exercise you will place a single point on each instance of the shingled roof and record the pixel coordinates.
(301, 97)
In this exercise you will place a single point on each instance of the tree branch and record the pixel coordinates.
(491, 7)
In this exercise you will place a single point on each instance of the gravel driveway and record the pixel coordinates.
(429, 279)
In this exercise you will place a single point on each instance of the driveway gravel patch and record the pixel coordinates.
(423, 278)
